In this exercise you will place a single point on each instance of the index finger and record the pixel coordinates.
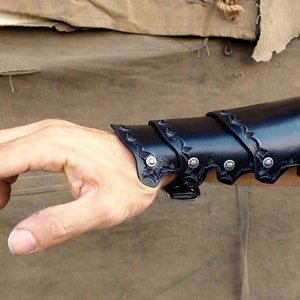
(21, 131)
(41, 150)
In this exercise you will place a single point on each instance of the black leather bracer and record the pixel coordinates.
(263, 139)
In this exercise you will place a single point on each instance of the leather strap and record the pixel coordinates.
(203, 144)
(271, 133)
(154, 158)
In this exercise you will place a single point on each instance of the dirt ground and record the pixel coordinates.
(173, 250)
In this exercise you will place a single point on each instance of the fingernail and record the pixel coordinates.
(22, 242)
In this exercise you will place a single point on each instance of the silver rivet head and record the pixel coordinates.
(151, 161)
(268, 162)
(229, 165)
(193, 162)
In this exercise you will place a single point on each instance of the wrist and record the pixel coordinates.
(156, 162)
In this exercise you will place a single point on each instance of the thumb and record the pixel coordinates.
(54, 225)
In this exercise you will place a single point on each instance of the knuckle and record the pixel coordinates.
(56, 129)
(51, 127)
(54, 229)
(53, 122)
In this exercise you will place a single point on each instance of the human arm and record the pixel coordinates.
(101, 173)
(262, 139)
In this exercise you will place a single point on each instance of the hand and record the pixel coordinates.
(100, 171)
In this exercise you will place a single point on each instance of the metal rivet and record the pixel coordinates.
(151, 161)
(229, 165)
(268, 162)
(193, 162)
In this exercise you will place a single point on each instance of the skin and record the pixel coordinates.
(100, 172)
(289, 178)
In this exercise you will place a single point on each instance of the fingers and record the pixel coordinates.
(17, 132)
(59, 223)
(5, 190)
(93, 162)
(42, 150)
(21, 131)
(30, 147)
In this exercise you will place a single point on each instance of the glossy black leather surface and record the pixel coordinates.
(209, 142)
(269, 131)
(144, 141)
(263, 138)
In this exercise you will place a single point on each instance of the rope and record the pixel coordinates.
(230, 9)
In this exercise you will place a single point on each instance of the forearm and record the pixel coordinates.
(252, 145)
(289, 178)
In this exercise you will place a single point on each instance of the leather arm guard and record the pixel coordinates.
(263, 139)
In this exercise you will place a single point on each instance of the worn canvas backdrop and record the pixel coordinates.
(279, 19)
(173, 250)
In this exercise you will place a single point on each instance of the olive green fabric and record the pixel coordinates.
(174, 250)
(274, 23)
(163, 17)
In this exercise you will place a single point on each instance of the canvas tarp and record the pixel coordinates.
(279, 19)
(174, 250)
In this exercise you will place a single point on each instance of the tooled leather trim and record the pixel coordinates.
(189, 175)
(173, 135)
(267, 175)
(246, 133)
(197, 175)
(150, 176)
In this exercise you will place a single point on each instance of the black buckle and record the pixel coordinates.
(178, 190)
